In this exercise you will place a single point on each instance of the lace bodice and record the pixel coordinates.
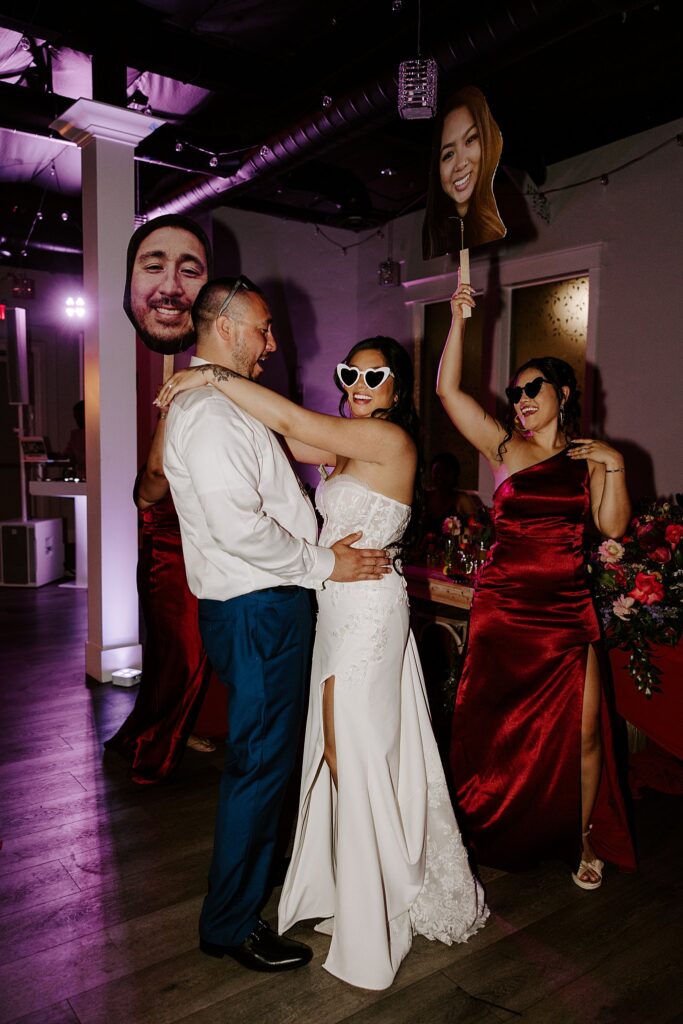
(348, 504)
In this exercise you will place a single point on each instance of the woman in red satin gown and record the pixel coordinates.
(532, 758)
(176, 674)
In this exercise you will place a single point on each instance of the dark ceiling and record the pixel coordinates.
(297, 99)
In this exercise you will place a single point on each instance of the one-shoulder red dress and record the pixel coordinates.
(515, 751)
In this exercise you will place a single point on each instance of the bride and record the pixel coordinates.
(377, 853)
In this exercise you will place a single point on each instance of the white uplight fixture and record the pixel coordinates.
(126, 676)
(74, 308)
(417, 83)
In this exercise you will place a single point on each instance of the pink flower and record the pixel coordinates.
(451, 525)
(648, 588)
(673, 534)
(623, 607)
(610, 551)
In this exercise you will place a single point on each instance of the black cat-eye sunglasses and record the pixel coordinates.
(530, 390)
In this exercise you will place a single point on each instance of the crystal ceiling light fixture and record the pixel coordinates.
(417, 82)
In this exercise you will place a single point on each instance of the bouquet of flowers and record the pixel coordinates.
(466, 542)
(638, 588)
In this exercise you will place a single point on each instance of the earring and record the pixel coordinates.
(561, 417)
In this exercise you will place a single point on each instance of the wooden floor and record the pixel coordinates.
(101, 884)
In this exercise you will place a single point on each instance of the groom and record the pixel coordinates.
(249, 541)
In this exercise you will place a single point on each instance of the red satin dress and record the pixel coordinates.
(176, 674)
(515, 751)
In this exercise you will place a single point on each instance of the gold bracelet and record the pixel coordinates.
(620, 470)
(164, 413)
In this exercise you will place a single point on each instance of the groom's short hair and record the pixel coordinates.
(213, 294)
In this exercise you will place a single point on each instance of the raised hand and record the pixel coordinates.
(462, 296)
(354, 564)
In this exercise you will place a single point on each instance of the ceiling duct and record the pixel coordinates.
(518, 27)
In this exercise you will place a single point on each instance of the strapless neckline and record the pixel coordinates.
(349, 476)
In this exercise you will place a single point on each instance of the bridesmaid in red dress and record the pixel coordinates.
(532, 757)
(176, 674)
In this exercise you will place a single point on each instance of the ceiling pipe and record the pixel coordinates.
(525, 22)
(65, 250)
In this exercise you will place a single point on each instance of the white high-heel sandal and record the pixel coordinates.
(596, 865)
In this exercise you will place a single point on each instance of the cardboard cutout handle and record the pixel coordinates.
(464, 279)
(168, 368)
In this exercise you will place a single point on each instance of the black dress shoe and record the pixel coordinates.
(263, 950)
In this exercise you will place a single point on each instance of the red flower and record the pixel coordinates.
(648, 588)
(651, 538)
(618, 573)
(673, 534)
(649, 535)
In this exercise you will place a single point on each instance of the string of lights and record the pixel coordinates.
(539, 197)
(214, 157)
(605, 176)
(377, 233)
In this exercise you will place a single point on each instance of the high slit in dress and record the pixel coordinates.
(381, 858)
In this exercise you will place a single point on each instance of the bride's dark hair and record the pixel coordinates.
(402, 411)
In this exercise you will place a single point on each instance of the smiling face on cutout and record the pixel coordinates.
(460, 160)
(362, 400)
(170, 267)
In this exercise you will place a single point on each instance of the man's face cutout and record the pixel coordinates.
(167, 271)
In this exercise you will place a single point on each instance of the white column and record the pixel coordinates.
(107, 137)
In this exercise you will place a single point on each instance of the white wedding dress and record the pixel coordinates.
(382, 858)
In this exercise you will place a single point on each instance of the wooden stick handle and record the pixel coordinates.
(465, 277)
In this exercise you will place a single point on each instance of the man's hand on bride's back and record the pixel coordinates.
(353, 564)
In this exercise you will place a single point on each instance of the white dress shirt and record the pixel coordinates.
(245, 521)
